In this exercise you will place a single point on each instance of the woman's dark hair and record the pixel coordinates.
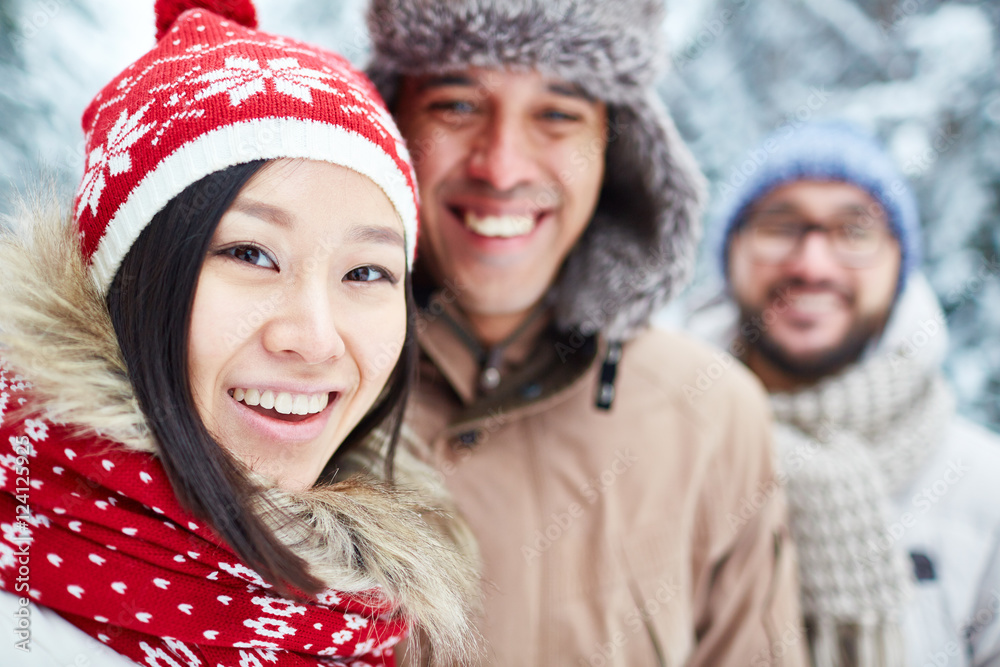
(150, 303)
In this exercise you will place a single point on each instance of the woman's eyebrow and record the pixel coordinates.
(263, 211)
(373, 234)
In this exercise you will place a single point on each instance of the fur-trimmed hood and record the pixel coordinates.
(638, 251)
(356, 535)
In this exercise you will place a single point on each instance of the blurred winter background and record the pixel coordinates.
(922, 74)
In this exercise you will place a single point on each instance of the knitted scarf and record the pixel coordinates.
(846, 445)
(109, 548)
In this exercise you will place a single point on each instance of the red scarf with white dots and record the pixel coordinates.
(107, 545)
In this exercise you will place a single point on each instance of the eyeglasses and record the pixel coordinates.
(855, 244)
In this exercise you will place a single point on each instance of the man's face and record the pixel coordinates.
(811, 301)
(510, 165)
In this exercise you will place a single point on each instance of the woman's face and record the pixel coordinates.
(299, 316)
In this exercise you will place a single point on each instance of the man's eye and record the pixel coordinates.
(783, 230)
(252, 255)
(857, 232)
(559, 116)
(369, 274)
(460, 107)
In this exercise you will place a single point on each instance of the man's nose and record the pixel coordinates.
(814, 257)
(504, 155)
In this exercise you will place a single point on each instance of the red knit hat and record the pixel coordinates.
(214, 92)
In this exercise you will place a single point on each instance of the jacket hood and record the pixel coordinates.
(638, 250)
(356, 535)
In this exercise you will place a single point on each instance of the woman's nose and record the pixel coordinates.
(305, 325)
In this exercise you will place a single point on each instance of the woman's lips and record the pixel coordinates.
(302, 413)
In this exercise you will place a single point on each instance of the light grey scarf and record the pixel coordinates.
(846, 445)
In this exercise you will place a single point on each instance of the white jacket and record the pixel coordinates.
(54, 641)
(949, 514)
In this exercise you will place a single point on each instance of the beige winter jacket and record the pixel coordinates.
(650, 534)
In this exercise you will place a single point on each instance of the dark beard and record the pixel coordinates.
(814, 367)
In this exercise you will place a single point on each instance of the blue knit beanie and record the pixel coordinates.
(823, 151)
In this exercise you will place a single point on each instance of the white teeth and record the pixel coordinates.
(252, 397)
(502, 226)
(284, 402)
(267, 400)
(815, 303)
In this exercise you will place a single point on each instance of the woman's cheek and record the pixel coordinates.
(380, 342)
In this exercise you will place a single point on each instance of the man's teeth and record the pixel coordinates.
(503, 226)
(283, 402)
(815, 303)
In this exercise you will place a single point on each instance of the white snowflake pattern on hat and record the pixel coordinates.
(113, 154)
(243, 77)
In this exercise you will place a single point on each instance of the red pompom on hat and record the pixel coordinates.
(214, 92)
(240, 11)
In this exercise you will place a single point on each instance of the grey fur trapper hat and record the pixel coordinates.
(638, 251)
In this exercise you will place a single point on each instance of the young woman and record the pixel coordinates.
(190, 365)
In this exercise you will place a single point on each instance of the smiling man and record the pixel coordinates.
(559, 210)
(889, 490)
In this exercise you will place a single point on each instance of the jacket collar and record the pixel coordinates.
(540, 366)
(445, 335)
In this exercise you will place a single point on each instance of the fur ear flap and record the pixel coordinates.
(240, 11)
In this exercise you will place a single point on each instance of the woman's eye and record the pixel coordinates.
(368, 274)
(252, 255)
